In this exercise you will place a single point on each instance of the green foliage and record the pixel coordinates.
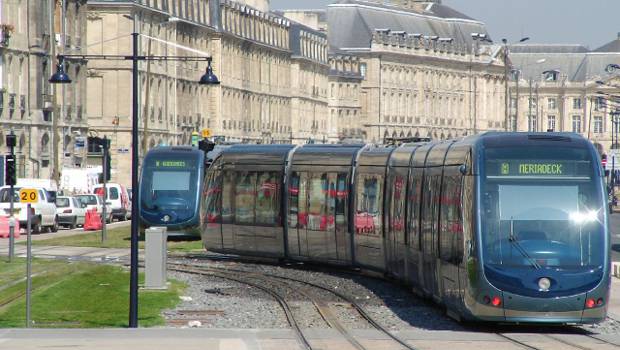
(82, 295)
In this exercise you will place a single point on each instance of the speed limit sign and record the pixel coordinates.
(27, 195)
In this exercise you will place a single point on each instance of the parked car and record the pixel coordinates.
(117, 198)
(94, 201)
(43, 211)
(71, 212)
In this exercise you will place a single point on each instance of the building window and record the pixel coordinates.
(513, 123)
(577, 124)
(552, 103)
(577, 103)
(598, 103)
(531, 123)
(598, 125)
(363, 69)
(532, 102)
(513, 102)
(551, 123)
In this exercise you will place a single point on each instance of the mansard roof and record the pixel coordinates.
(612, 46)
(576, 67)
(548, 48)
(352, 23)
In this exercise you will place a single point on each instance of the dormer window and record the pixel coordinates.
(551, 75)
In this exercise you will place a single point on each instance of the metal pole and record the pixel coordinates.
(518, 73)
(507, 91)
(135, 215)
(28, 266)
(12, 214)
(529, 116)
(104, 216)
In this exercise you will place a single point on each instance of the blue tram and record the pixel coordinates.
(170, 186)
(499, 227)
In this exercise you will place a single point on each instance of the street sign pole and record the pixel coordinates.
(11, 141)
(28, 266)
(104, 216)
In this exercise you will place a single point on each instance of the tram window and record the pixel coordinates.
(318, 189)
(451, 225)
(268, 199)
(293, 195)
(245, 195)
(341, 195)
(413, 215)
(368, 217)
(228, 187)
(213, 195)
(397, 206)
(429, 212)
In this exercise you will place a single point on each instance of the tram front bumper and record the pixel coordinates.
(521, 309)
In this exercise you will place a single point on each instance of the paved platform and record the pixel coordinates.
(265, 339)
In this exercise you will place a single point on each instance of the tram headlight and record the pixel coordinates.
(544, 284)
(584, 217)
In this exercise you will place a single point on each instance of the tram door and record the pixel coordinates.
(396, 222)
(317, 215)
(430, 217)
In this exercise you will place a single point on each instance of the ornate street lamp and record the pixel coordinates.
(60, 77)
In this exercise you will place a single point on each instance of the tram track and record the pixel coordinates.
(301, 338)
(332, 321)
(323, 309)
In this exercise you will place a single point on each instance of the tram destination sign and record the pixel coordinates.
(170, 164)
(538, 168)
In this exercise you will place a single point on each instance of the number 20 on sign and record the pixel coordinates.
(28, 195)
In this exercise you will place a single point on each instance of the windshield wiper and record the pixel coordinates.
(513, 239)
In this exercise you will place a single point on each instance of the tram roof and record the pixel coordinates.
(401, 157)
(375, 156)
(168, 149)
(328, 155)
(516, 139)
(253, 154)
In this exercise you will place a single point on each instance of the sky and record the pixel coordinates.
(592, 22)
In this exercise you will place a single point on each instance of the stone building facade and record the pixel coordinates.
(273, 75)
(49, 122)
(565, 88)
(416, 81)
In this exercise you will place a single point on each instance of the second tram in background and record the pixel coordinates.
(499, 227)
(170, 186)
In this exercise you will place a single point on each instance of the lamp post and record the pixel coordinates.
(507, 70)
(60, 77)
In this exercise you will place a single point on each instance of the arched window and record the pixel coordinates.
(45, 140)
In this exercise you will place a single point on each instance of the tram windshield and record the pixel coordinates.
(169, 182)
(542, 208)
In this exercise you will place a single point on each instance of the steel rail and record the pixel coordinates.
(303, 341)
(360, 309)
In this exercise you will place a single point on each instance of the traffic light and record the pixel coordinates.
(107, 171)
(10, 176)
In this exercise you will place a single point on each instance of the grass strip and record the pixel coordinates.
(85, 295)
(118, 237)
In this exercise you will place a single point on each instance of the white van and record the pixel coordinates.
(43, 211)
(117, 199)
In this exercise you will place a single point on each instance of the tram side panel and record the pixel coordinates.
(368, 241)
(414, 251)
(317, 214)
(396, 241)
(211, 211)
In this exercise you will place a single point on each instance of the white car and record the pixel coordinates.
(71, 212)
(94, 201)
(43, 211)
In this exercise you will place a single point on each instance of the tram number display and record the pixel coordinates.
(525, 168)
(28, 195)
(170, 164)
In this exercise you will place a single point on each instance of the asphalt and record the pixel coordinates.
(268, 339)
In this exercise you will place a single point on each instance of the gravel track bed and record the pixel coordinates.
(239, 305)
(392, 306)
